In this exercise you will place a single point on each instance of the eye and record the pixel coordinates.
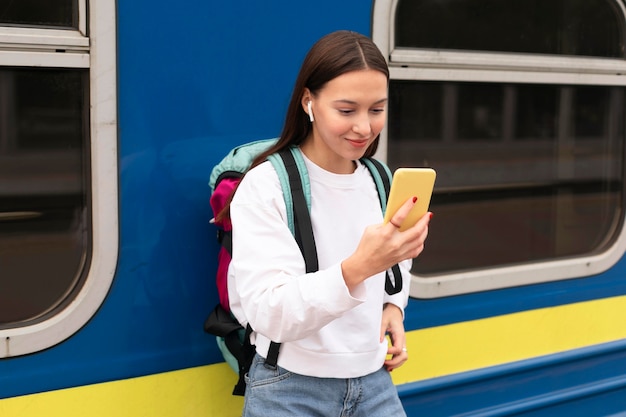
(377, 110)
(345, 111)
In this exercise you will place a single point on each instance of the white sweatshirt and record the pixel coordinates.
(324, 330)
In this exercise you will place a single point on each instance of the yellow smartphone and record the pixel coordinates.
(407, 183)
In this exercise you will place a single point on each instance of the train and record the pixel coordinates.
(113, 113)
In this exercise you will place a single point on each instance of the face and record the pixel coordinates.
(349, 113)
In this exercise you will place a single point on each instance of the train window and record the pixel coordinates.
(536, 166)
(52, 13)
(529, 147)
(57, 151)
(569, 27)
(43, 200)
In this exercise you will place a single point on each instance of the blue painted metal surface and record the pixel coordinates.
(584, 382)
(194, 81)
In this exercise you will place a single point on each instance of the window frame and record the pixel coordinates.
(469, 66)
(96, 50)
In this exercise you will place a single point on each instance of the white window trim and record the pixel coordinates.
(101, 60)
(493, 61)
(43, 59)
(495, 67)
(43, 39)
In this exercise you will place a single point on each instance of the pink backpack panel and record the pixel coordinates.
(219, 198)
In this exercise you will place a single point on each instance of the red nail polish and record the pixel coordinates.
(431, 215)
(414, 199)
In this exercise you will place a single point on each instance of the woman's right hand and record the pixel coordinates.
(383, 245)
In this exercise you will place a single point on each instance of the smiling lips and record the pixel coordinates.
(358, 143)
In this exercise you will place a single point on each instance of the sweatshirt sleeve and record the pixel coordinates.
(268, 286)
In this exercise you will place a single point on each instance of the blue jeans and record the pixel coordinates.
(276, 392)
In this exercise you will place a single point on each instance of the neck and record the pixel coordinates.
(327, 160)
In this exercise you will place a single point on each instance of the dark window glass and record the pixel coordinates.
(564, 27)
(47, 13)
(44, 211)
(525, 172)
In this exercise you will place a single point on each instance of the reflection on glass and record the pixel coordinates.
(44, 209)
(42, 13)
(564, 27)
(524, 172)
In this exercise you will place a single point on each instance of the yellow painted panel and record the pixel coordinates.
(196, 392)
(476, 344)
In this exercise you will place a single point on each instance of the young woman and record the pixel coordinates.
(334, 358)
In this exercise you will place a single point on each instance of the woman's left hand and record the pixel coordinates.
(393, 325)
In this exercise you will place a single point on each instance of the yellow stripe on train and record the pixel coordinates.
(196, 392)
(434, 352)
(477, 344)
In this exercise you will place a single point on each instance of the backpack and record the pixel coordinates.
(233, 339)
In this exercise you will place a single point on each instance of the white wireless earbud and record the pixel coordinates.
(310, 112)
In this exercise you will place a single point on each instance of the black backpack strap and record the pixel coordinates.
(272, 354)
(247, 354)
(382, 178)
(302, 217)
(303, 232)
(396, 286)
(225, 238)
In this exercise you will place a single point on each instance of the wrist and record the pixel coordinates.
(393, 310)
(352, 272)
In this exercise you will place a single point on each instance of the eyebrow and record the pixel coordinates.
(346, 101)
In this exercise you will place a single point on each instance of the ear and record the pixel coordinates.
(306, 97)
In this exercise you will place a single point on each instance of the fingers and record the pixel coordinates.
(392, 322)
(402, 212)
(383, 331)
(398, 357)
(424, 222)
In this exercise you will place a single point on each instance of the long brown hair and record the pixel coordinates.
(333, 55)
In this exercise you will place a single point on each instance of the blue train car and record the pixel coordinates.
(113, 113)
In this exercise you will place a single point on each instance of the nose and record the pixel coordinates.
(362, 125)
